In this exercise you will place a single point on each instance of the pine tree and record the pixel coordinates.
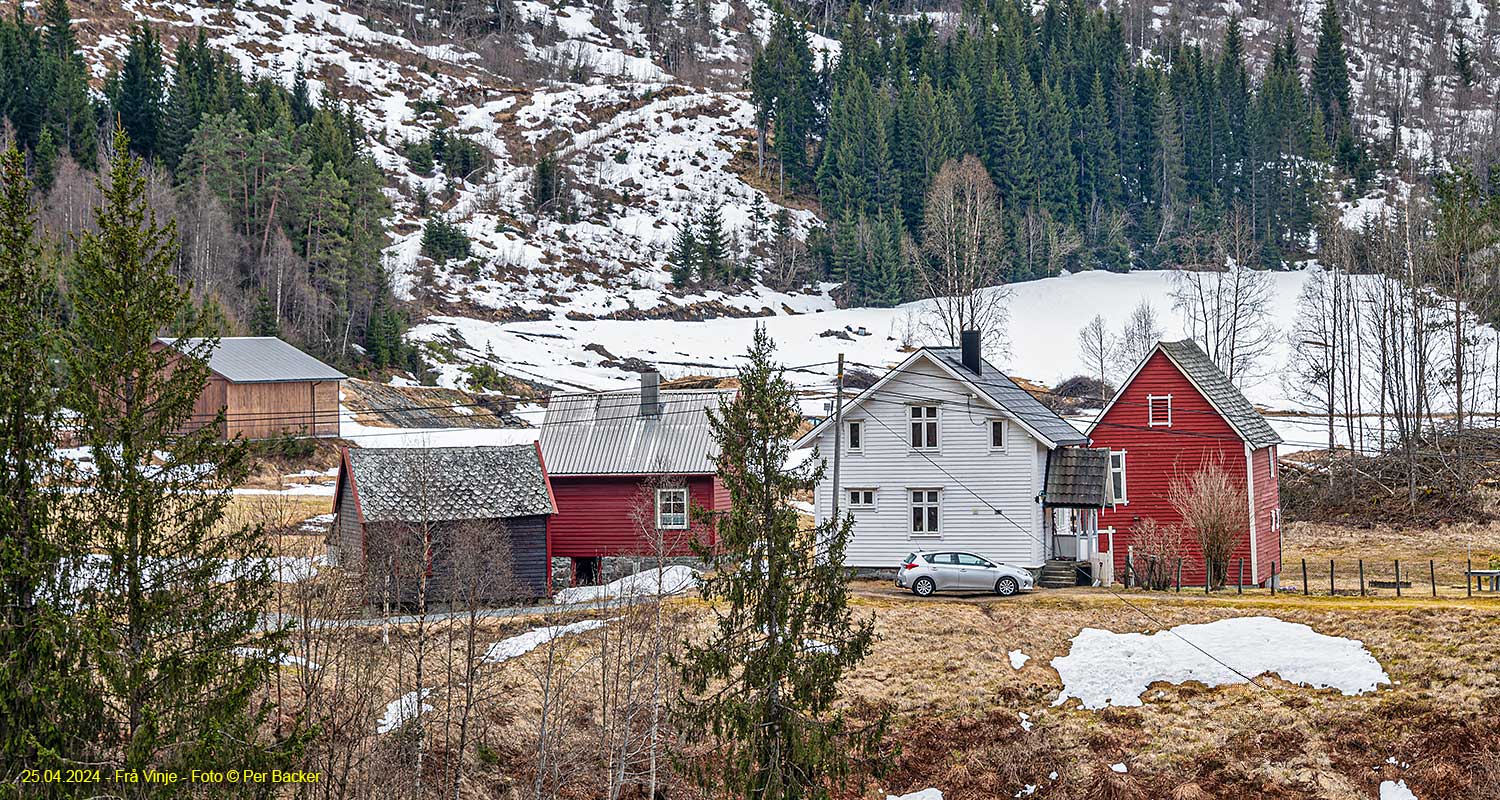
(164, 630)
(1330, 73)
(138, 91)
(685, 254)
(1463, 61)
(44, 701)
(1101, 163)
(713, 244)
(761, 689)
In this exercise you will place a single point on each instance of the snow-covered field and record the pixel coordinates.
(1104, 668)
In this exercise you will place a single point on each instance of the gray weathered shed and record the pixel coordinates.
(482, 512)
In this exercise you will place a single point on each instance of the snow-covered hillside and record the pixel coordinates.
(564, 302)
(1045, 316)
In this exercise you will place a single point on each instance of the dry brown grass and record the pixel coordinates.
(1448, 546)
(944, 666)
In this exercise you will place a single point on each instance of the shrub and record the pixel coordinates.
(1213, 506)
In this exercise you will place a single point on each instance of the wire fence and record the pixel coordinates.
(1435, 578)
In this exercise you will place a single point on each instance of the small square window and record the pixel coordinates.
(861, 498)
(1159, 411)
(671, 509)
(997, 434)
(856, 435)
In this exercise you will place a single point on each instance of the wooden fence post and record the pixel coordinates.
(1331, 591)
(1274, 578)
(1305, 590)
(1432, 575)
(1398, 577)
(1208, 575)
(1361, 577)
(1129, 554)
(1179, 574)
(1468, 577)
(1239, 585)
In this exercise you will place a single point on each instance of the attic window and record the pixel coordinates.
(997, 434)
(1159, 411)
(856, 436)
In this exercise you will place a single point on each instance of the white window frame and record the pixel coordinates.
(912, 504)
(660, 496)
(1272, 459)
(1004, 434)
(849, 428)
(936, 421)
(1124, 498)
(860, 506)
(1151, 420)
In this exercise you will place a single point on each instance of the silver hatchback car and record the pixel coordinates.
(957, 570)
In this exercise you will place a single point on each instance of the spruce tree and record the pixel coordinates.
(45, 701)
(177, 590)
(1330, 73)
(685, 254)
(138, 91)
(760, 690)
(713, 244)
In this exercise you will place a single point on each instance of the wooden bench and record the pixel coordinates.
(1479, 576)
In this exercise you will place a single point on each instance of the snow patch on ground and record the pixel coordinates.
(519, 645)
(675, 579)
(1104, 668)
(404, 709)
(1395, 790)
(286, 660)
(1018, 659)
(925, 794)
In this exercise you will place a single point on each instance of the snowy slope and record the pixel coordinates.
(648, 148)
(1045, 316)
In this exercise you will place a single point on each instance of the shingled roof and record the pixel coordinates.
(1078, 477)
(262, 359)
(1221, 393)
(447, 484)
(605, 433)
(1011, 397)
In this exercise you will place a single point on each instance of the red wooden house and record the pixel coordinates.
(626, 467)
(1175, 414)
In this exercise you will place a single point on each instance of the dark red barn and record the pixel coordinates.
(1175, 414)
(626, 467)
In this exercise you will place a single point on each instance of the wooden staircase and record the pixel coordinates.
(1059, 574)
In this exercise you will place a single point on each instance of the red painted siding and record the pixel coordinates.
(1267, 501)
(1155, 455)
(598, 515)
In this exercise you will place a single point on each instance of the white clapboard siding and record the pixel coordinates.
(977, 478)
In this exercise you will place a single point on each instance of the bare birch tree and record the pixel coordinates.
(1098, 350)
(1140, 334)
(963, 240)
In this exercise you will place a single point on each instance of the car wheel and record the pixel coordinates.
(923, 587)
(1005, 587)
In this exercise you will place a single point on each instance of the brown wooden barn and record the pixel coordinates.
(267, 388)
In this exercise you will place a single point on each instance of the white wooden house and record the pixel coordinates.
(944, 451)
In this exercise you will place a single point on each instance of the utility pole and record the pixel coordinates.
(838, 434)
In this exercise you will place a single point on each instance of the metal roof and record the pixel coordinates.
(1078, 477)
(1005, 393)
(605, 433)
(262, 359)
(448, 484)
(1220, 392)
